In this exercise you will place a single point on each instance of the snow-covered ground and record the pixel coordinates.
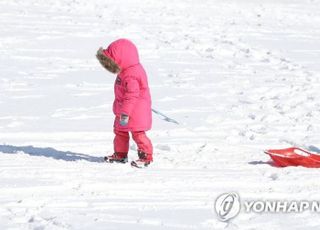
(239, 76)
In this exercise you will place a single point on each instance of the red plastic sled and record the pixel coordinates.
(294, 157)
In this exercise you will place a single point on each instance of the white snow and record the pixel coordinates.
(239, 76)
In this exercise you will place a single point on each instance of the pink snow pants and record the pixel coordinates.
(121, 141)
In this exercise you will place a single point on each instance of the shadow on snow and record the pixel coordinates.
(49, 152)
(314, 149)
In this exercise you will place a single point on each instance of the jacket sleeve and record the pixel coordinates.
(131, 95)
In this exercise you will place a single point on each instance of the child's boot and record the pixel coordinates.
(117, 157)
(143, 161)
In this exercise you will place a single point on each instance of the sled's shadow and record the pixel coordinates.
(261, 163)
(270, 163)
(49, 152)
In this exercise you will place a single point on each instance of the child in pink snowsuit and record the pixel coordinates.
(132, 104)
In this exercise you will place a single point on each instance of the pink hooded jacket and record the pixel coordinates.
(132, 94)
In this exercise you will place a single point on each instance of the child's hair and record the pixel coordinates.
(107, 62)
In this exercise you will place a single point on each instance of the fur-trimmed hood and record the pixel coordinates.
(107, 62)
(119, 55)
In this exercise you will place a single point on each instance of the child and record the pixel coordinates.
(132, 104)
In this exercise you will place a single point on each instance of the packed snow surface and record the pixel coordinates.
(239, 77)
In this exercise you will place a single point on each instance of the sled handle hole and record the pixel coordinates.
(301, 152)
